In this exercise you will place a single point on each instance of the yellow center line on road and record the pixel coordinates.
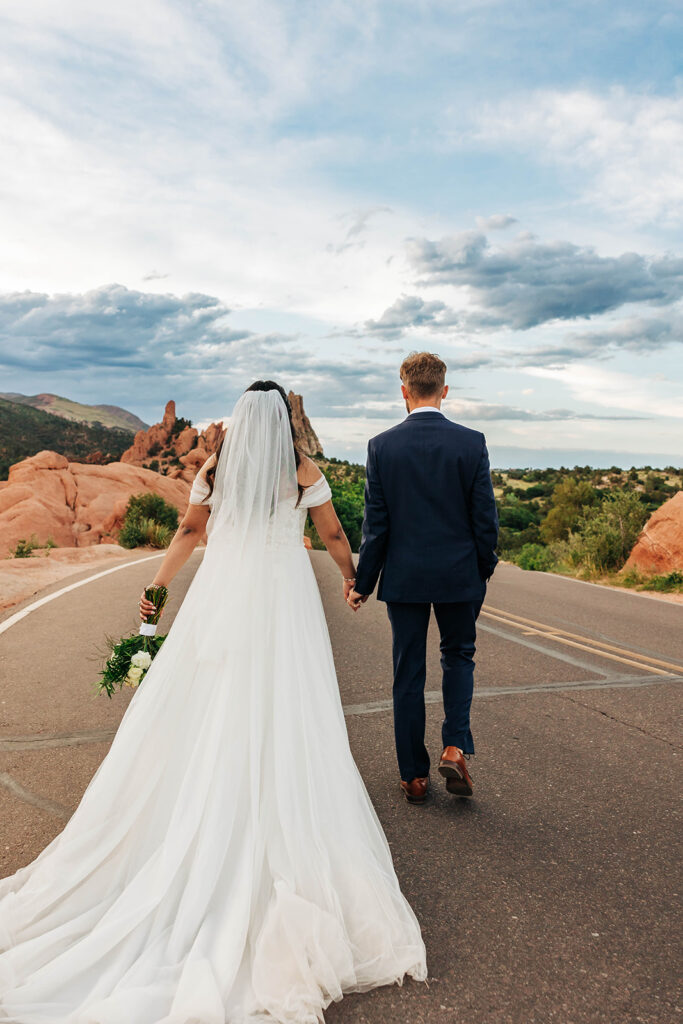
(531, 627)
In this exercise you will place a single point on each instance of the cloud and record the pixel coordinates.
(496, 222)
(604, 388)
(108, 327)
(410, 312)
(529, 282)
(626, 146)
(358, 225)
(476, 409)
(639, 335)
(148, 346)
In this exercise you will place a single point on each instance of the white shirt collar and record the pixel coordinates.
(426, 408)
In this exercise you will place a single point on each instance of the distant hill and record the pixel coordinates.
(56, 405)
(25, 431)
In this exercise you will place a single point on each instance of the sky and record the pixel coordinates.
(196, 195)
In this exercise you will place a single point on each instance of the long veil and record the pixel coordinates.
(256, 470)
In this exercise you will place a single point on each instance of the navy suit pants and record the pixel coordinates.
(457, 627)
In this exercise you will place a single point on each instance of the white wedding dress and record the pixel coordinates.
(225, 864)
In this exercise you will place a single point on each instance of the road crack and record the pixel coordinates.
(29, 797)
(619, 721)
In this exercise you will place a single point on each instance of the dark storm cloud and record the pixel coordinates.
(528, 282)
(108, 327)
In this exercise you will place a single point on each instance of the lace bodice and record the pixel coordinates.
(289, 529)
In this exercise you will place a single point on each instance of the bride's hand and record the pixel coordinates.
(147, 607)
(355, 600)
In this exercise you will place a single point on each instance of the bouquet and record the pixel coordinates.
(130, 658)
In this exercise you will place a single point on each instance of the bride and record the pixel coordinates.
(225, 864)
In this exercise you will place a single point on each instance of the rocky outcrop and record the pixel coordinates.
(74, 503)
(306, 437)
(659, 548)
(173, 447)
(179, 450)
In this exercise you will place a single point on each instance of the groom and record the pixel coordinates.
(429, 534)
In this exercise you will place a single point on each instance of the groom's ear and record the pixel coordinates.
(404, 391)
(445, 391)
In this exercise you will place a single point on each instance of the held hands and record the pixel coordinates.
(352, 598)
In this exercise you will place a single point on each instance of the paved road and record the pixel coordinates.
(550, 897)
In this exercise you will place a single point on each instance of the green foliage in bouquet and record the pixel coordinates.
(149, 520)
(130, 658)
(120, 669)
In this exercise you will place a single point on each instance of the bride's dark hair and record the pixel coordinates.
(261, 385)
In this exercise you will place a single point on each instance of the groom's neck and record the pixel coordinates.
(423, 403)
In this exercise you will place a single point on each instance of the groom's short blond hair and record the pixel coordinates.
(423, 374)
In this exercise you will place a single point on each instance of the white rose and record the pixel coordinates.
(134, 675)
(143, 659)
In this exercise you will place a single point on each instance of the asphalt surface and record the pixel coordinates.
(552, 896)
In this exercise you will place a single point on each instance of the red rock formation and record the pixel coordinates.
(148, 443)
(659, 548)
(75, 503)
(192, 448)
(185, 441)
(188, 445)
(306, 437)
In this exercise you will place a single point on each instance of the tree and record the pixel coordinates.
(568, 499)
(607, 533)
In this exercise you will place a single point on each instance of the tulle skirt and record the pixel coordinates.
(225, 864)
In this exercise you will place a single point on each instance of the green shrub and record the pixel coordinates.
(514, 540)
(535, 556)
(632, 578)
(516, 516)
(180, 425)
(347, 498)
(25, 548)
(536, 491)
(570, 497)
(607, 533)
(347, 483)
(148, 520)
(672, 581)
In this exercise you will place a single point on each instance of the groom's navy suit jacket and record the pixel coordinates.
(430, 525)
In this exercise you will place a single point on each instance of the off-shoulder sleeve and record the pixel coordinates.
(199, 492)
(317, 494)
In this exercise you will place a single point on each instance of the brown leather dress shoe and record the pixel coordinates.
(416, 791)
(453, 767)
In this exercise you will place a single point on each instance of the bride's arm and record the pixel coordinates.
(331, 533)
(187, 536)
